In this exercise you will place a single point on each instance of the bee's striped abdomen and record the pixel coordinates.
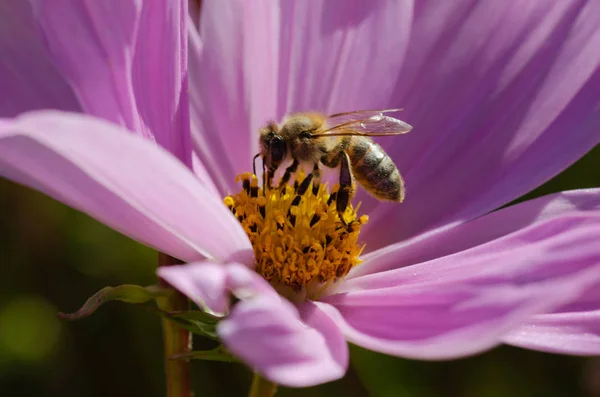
(375, 170)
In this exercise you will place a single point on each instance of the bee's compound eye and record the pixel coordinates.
(277, 149)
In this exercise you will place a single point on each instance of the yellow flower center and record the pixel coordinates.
(300, 244)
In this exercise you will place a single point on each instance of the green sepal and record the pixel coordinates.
(217, 354)
(126, 293)
(195, 321)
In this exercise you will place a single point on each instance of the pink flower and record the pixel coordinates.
(502, 95)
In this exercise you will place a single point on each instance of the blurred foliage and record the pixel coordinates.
(53, 258)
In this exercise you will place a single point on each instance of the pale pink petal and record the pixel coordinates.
(160, 80)
(314, 317)
(28, 80)
(126, 61)
(126, 182)
(464, 303)
(201, 173)
(570, 329)
(207, 146)
(210, 284)
(286, 347)
(245, 283)
(207, 168)
(455, 238)
(502, 96)
(93, 44)
(263, 59)
(202, 282)
(264, 329)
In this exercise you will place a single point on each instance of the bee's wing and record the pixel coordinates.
(364, 122)
(340, 118)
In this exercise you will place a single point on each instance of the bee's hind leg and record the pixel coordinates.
(346, 190)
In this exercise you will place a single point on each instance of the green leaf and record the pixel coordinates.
(196, 321)
(126, 293)
(217, 354)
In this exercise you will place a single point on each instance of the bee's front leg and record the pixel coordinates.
(288, 173)
(314, 177)
(268, 179)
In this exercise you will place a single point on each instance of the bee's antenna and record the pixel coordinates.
(254, 163)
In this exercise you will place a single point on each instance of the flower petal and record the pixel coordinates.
(571, 329)
(202, 282)
(126, 182)
(207, 146)
(126, 61)
(502, 95)
(209, 284)
(286, 347)
(28, 80)
(464, 303)
(160, 81)
(455, 238)
(93, 43)
(263, 59)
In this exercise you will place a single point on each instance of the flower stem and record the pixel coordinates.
(262, 387)
(176, 339)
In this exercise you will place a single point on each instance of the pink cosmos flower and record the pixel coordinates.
(503, 95)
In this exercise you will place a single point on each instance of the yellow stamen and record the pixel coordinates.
(297, 247)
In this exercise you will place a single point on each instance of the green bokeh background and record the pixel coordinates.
(53, 258)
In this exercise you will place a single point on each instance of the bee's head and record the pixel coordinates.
(272, 146)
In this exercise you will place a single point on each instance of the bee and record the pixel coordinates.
(342, 139)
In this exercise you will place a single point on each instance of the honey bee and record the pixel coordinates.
(342, 139)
